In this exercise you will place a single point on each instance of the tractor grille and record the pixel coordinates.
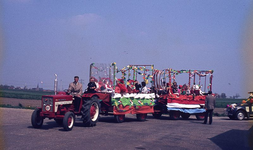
(47, 104)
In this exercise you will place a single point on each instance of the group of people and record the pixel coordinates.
(181, 89)
(104, 86)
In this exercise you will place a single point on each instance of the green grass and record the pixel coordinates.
(23, 94)
(222, 103)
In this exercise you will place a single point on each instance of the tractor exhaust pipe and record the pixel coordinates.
(55, 84)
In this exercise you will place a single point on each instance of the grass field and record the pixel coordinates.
(23, 94)
(222, 103)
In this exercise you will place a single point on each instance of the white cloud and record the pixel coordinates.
(85, 19)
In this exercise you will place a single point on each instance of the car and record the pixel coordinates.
(241, 111)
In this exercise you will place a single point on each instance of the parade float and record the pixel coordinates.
(117, 93)
(183, 99)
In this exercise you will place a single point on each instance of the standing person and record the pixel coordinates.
(209, 105)
(76, 89)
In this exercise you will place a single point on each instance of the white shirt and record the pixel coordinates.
(144, 90)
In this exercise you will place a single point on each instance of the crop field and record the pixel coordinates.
(222, 103)
(23, 94)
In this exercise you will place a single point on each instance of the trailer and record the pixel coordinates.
(181, 100)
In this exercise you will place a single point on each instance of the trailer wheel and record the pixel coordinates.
(119, 118)
(90, 112)
(141, 117)
(185, 115)
(175, 115)
(68, 121)
(157, 111)
(200, 116)
(240, 115)
(157, 115)
(59, 121)
(36, 119)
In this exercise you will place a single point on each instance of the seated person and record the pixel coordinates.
(91, 86)
(130, 86)
(163, 90)
(121, 86)
(183, 90)
(75, 89)
(196, 89)
(137, 87)
(144, 89)
(106, 87)
(188, 91)
(174, 88)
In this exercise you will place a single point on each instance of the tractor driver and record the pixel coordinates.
(76, 89)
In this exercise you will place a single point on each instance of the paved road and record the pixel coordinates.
(17, 133)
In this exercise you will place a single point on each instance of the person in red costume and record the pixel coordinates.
(120, 87)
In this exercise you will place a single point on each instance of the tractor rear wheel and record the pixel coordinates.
(90, 112)
(68, 121)
(119, 118)
(36, 119)
(141, 117)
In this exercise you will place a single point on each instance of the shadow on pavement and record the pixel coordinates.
(235, 139)
(47, 125)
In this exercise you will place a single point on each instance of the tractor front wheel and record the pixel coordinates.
(36, 119)
(68, 121)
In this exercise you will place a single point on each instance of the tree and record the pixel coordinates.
(223, 95)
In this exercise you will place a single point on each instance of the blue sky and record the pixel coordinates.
(41, 38)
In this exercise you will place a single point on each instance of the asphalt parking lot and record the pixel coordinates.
(156, 134)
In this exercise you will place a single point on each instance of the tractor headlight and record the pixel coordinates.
(47, 108)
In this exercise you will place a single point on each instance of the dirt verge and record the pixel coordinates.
(20, 102)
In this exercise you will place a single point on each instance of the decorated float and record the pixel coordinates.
(117, 91)
(181, 99)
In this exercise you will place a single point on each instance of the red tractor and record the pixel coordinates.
(60, 108)
(108, 98)
(181, 100)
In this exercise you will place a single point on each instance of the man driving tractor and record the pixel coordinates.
(76, 89)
